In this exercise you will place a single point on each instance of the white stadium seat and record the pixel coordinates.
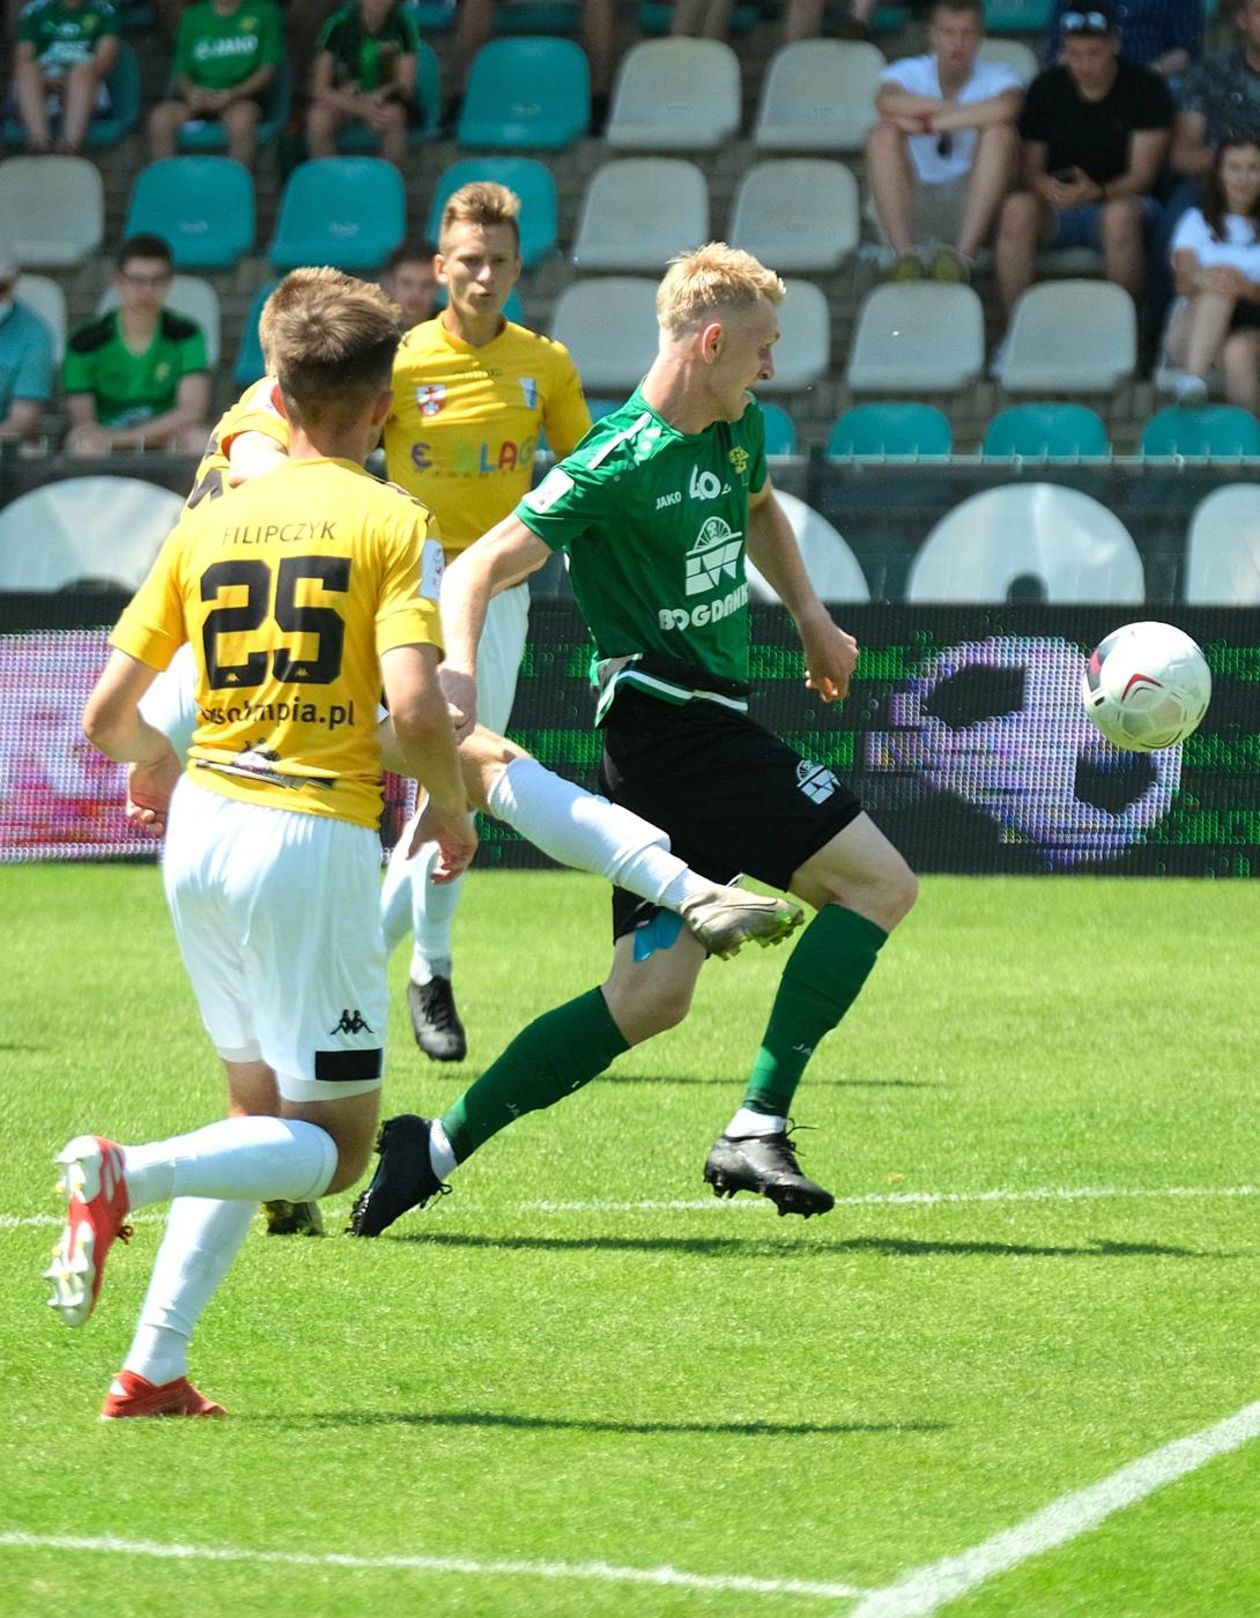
(1078, 549)
(639, 212)
(1020, 58)
(52, 209)
(917, 337)
(43, 297)
(833, 569)
(1071, 337)
(189, 296)
(818, 96)
(800, 214)
(609, 327)
(97, 529)
(1223, 549)
(675, 95)
(803, 352)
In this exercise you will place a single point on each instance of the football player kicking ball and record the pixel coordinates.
(655, 510)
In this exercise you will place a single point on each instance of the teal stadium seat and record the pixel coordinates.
(527, 93)
(250, 365)
(1211, 431)
(1018, 16)
(780, 430)
(210, 136)
(432, 16)
(884, 430)
(356, 137)
(350, 212)
(533, 183)
(202, 206)
(1046, 432)
(124, 106)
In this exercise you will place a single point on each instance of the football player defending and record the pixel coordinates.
(655, 510)
(303, 593)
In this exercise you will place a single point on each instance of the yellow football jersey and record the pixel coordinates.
(290, 588)
(256, 411)
(465, 423)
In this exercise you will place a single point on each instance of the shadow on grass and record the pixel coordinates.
(578, 1424)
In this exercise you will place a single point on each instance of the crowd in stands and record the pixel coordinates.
(1128, 141)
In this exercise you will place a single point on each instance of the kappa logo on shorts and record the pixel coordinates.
(713, 558)
(816, 781)
(352, 1022)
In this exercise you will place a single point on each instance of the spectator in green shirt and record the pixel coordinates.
(66, 50)
(226, 56)
(135, 378)
(365, 69)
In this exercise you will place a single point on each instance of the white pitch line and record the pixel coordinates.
(925, 1590)
(597, 1572)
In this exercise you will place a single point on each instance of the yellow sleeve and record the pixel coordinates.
(257, 414)
(152, 626)
(407, 614)
(565, 415)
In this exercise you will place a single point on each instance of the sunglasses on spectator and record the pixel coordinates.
(1091, 22)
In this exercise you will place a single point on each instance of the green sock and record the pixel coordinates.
(822, 979)
(556, 1054)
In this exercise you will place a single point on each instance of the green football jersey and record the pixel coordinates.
(132, 388)
(218, 51)
(64, 36)
(653, 521)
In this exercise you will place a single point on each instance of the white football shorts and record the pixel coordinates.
(499, 654)
(277, 918)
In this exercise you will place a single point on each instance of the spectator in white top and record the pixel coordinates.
(1216, 271)
(944, 152)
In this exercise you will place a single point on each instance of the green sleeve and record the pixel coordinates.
(568, 502)
(323, 43)
(411, 29)
(272, 36)
(756, 422)
(192, 354)
(110, 27)
(28, 29)
(181, 67)
(78, 372)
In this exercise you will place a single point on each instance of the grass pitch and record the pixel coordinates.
(580, 1367)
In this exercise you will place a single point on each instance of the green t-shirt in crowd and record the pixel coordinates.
(217, 52)
(654, 522)
(132, 388)
(64, 36)
(368, 60)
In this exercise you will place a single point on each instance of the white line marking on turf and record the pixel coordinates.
(925, 1590)
(598, 1572)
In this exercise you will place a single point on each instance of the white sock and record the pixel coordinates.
(201, 1240)
(238, 1159)
(432, 913)
(579, 829)
(746, 1123)
(441, 1152)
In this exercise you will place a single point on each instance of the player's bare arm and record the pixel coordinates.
(252, 454)
(112, 722)
(830, 653)
(426, 743)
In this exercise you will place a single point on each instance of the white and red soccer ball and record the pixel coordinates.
(1146, 686)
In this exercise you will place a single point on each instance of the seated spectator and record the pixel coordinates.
(1095, 129)
(1216, 269)
(804, 19)
(26, 350)
(365, 70)
(944, 152)
(475, 23)
(66, 51)
(702, 19)
(135, 378)
(1166, 35)
(225, 58)
(410, 279)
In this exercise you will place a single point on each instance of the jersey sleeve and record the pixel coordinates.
(33, 377)
(192, 353)
(1155, 107)
(257, 413)
(110, 28)
(757, 472)
(410, 31)
(329, 34)
(152, 627)
(181, 67)
(1189, 234)
(78, 371)
(565, 413)
(28, 26)
(407, 612)
(271, 36)
(571, 499)
(1033, 119)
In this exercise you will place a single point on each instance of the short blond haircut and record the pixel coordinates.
(710, 280)
(331, 340)
(485, 203)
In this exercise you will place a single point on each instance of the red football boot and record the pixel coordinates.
(133, 1395)
(95, 1190)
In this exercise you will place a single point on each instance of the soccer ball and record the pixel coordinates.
(1146, 686)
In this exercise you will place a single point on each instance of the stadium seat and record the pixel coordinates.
(202, 206)
(208, 135)
(250, 364)
(638, 212)
(356, 138)
(780, 430)
(917, 337)
(432, 16)
(1018, 16)
(533, 182)
(527, 93)
(1213, 432)
(800, 214)
(803, 351)
(124, 107)
(833, 569)
(1021, 58)
(899, 428)
(1071, 337)
(52, 209)
(1072, 544)
(1046, 432)
(191, 296)
(104, 530)
(350, 212)
(43, 297)
(818, 96)
(1223, 549)
(675, 95)
(609, 327)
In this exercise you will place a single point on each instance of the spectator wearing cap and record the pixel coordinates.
(26, 357)
(943, 154)
(65, 52)
(1095, 129)
(1166, 35)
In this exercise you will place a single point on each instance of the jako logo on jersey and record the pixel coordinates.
(431, 399)
(674, 499)
(704, 485)
(815, 780)
(529, 391)
(714, 557)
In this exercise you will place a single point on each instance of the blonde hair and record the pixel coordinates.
(712, 278)
(331, 340)
(485, 203)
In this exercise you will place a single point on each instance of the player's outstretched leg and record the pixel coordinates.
(97, 1204)
(404, 1178)
(766, 1165)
